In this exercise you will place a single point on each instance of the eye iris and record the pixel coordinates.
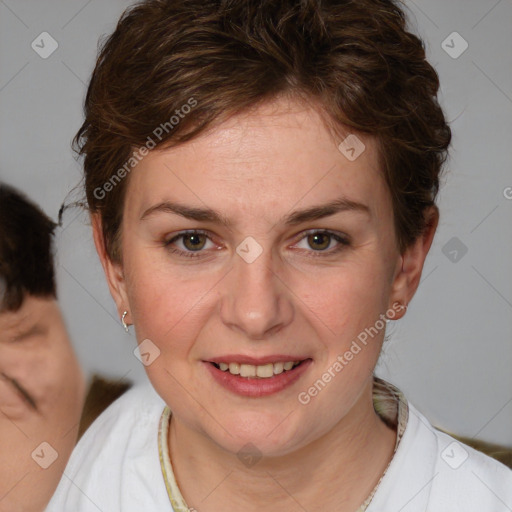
(196, 241)
(316, 236)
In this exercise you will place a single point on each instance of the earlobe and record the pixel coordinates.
(113, 271)
(408, 277)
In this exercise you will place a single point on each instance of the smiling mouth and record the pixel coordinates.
(264, 371)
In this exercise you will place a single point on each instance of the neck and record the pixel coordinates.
(336, 472)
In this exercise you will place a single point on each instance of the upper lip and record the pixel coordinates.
(256, 361)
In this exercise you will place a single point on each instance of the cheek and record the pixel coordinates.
(166, 306)
(345, 300)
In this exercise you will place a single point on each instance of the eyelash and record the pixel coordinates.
(343, 243)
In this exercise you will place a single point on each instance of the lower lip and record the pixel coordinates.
(256, 387)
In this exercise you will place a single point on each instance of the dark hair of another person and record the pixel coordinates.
(354, 60)
(26, 251)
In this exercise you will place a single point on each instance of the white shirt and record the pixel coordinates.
(120, 462)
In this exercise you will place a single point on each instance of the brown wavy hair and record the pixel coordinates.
(355, 59)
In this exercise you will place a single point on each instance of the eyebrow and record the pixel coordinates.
(292, 219)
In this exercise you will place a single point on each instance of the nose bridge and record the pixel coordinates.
(255, 301)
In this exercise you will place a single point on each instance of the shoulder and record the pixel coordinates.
(468, 477)
(125, 423)
(432, 471)
(116, 459)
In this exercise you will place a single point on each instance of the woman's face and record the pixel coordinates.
(261, 287)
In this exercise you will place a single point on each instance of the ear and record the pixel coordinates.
(408, 275)
(113, 271)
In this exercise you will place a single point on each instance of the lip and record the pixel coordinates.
(256, 361)
(256, 387)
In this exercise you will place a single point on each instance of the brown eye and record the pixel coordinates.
(194, 241)
(323, 243)
(189, 244)
(319, 241)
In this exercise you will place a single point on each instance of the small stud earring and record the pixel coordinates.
(123, 322)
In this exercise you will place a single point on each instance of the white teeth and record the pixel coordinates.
(247, 370)
(234, 368)
(263, 371)
(278, 368)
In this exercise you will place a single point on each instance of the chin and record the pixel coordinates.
(269, 437)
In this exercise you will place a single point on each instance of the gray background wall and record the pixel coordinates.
(452, 353)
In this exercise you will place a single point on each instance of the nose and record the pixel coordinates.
(255, 299)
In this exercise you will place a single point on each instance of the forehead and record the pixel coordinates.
(275, 156)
